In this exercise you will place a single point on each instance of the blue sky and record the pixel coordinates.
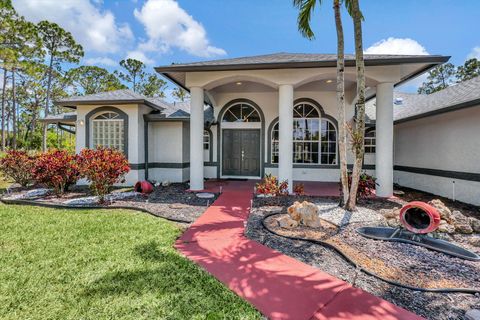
(164, 31)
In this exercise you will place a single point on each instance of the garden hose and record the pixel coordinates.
(366, 271)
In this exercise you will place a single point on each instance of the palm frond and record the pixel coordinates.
(306, 8)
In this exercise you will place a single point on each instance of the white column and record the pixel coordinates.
(384, 140)
(196, 138)
(285, 115)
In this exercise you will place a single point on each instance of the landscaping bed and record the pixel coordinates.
(172, 202)
(404, 263)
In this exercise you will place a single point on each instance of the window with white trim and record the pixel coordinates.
(206, 145)
(370, 141)
(108, 131)
(314, 138)
(241, 112)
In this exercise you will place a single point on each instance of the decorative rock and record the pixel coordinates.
(306, 213)
(398, 192)
(462, 223)
(31, 194)
(205, 195)
(473, 314)
(445, 213)
(475, 223)
(165, 183)
(287, 222)
(474, 241)
(390, 213)
(393, 222)
(445, 227)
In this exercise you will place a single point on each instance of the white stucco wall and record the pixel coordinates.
(449, 142)
(135, 114)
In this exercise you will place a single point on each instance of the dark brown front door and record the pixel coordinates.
(241, 152)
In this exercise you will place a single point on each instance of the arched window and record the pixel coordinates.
(370, 141)
(241, 112)
(107, 131)
(314, 138)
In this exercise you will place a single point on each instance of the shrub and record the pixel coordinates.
(103, 168)
(18, 166)
(299, 189)
(58, 169)
(271, 186)
(366, 185)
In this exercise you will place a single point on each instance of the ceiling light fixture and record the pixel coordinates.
(239, 83)
(329, 81)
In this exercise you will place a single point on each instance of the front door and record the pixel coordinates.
(241, 152)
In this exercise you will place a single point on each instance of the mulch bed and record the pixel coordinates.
(405, 263)
(172, 202)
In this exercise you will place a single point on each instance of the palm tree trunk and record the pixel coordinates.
(342, 139)
(4, 88)
(360, 119)
(47, 102)
(14, 111)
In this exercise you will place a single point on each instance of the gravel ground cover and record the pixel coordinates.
(172, 202)
(401, 262)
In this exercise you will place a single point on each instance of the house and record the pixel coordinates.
(437, 141)
(247, 117)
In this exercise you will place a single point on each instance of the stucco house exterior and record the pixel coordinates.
(248, 117)
(437, 141)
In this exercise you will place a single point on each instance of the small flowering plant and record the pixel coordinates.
(299, 189)
(366, 185)
(270, 186)
(18, 165)
(57, 169)
(103, 167)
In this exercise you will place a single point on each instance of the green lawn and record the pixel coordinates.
(66, 264)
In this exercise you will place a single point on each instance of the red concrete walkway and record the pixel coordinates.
(280, 287)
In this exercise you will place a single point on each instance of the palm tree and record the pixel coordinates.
(306, 8)
(353, 8)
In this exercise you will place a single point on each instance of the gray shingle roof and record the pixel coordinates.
(283, 57)
(411, 105)
(121, 95)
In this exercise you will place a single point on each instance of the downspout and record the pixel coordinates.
(146, 147)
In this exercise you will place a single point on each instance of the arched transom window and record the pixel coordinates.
(314, 138)
(108, 131)
(241, 112)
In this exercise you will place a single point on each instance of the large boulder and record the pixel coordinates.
(475, 223)
(445, 213)
(445, 227)
(287, 222)
(306, 213)
(461, 223)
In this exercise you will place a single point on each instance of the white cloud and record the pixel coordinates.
(101, 61)
(93, 28)
(168, 25)
(139, 55)
(475, 53)
(401, 46)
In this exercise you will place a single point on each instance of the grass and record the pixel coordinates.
(105, 264)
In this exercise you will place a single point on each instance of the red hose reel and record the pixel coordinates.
(419, 217)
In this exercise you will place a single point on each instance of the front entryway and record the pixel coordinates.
(241, 152)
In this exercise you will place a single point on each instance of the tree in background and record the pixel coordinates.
(91, 79)
(438, 79)
(469, 70)
(180, 94)
(152, 86)
(59, 46)
(306, 8)
(20, 46)
(135, 71)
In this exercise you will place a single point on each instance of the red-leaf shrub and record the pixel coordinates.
(18, 166)
(271, 186)
(58, 169)
(103, 168)
(366, 185)
(299, 189)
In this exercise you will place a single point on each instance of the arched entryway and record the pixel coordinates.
(241, 136)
